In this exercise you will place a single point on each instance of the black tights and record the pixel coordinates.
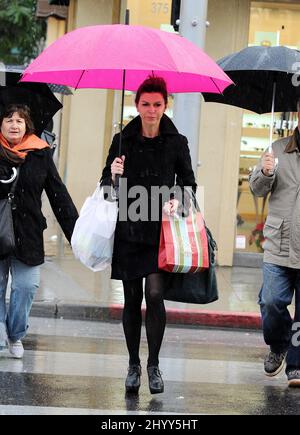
(155, 316)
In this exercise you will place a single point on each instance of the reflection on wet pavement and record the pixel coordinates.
(76, 367)
(66, 280)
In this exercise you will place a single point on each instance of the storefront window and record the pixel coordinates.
(271, 24)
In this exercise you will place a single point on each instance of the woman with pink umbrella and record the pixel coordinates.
(148, 152)
(153, 153)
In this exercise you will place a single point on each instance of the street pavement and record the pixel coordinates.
(78, 367)
(211, 358)
(70, 290)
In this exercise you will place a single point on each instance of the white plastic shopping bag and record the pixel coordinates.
(93, 236)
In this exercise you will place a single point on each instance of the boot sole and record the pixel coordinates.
(156, 391)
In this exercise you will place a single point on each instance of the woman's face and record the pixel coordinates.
(151, 108)
(13, 128)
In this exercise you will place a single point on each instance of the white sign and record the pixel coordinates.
(240, 242)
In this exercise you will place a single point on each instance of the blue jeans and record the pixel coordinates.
(24, 284)
(279, 285)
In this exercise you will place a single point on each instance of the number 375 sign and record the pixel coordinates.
(158, 8)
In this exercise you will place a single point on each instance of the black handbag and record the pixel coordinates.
(7, 235)
(194, 288)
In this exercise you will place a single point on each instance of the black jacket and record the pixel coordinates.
(37, 173)
(165, 162)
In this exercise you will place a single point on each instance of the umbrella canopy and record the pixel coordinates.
(97, 56)
(257, 72)
(11, 74)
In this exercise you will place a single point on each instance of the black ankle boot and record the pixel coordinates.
(156, 384)
(132, 383)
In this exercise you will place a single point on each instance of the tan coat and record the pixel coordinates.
(282, 227)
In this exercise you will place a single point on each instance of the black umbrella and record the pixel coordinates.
(37, 96)
(266, 80)
(11, 74)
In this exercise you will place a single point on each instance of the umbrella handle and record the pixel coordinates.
(13, 177)
(117, 184)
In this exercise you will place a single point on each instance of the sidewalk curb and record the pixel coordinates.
(113, 312)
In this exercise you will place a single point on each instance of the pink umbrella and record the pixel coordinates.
(120, 56)
(97, 56)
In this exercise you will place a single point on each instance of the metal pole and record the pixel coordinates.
(270, 149)
(2, 74)
(272, 117)
(117, 180)
(187, 107)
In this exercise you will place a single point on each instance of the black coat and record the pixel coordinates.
(37, 173)
(165, 163)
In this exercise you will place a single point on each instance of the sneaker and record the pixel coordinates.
(293, 378)
(16, 349)
(274, 363)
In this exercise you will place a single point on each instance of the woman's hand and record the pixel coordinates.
(170, 207)
(117, 167)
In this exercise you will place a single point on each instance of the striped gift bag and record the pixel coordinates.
(183, 246)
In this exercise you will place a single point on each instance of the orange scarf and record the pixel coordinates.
(18, 153)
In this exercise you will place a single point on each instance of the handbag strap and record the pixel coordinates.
(14, 183)
(11, 193)
(211, 241)
(193, 198)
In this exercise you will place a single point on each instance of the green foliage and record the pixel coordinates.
(21, 33)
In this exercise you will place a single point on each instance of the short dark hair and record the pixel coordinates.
(23, 111)
(150, 85)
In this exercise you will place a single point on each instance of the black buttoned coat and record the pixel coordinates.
(165, 162)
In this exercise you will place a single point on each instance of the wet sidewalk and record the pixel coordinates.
(70, 290)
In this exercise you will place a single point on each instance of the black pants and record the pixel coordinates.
(155, 316)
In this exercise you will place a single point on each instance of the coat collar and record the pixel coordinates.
(294, 142)
(134, 127)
